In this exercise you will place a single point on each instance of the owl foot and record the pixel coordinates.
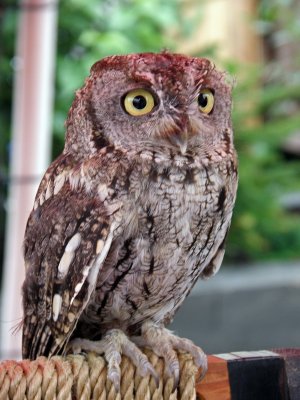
(113, 345)
(164, 343)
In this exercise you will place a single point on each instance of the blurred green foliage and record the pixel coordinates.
(90, 30)
(269, 96)
(261, 228)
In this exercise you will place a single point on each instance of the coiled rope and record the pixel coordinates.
(78, 377)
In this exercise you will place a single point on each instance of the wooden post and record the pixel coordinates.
(228, 25)
(257, 375)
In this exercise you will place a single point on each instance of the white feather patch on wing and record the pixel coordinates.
(91, 272)
(74, 242)
(67, 257)
(56, 306)
(48, 191)
(100, 245)
(78, 287)
(59, 182)
(92, 278)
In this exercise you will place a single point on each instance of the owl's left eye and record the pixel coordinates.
(206, 101)
(139, 102)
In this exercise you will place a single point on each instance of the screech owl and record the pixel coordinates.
(132, 213)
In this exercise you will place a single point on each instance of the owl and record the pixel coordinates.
(135, 209)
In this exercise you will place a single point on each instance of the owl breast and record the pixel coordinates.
(176, 219)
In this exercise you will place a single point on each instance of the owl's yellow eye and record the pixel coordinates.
(139, 102)
(206, 101)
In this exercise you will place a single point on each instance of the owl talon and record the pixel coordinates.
(164, 343)
(113, 344)
(188, 346)
(173, 371)
(115, 377)
(154, 374)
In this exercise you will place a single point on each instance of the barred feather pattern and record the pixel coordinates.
(128, 217)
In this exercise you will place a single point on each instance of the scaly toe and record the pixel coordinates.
(140, 360)
(158, 341)
(114, 375)
(164, 343)
(171, 361)
(113, 345)
(113, 370)
(188, 346)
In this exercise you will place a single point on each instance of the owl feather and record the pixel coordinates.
(133, 212)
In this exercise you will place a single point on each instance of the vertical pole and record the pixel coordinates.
(31, 141)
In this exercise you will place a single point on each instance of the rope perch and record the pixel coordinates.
(78, 377)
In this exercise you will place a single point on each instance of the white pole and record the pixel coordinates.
(31, 144)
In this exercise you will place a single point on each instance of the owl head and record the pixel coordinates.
(138, 101)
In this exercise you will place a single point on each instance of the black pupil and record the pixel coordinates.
(139, 102)
(202, 100)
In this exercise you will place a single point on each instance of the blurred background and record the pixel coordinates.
(254, 301)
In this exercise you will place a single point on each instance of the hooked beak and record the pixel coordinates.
(180, 139)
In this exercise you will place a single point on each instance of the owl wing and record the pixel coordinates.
(215, 263)
(67, 240)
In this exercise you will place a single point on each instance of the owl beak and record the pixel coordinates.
(180, 140)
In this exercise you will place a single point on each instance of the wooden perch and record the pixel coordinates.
(257, 375)
(261, 375)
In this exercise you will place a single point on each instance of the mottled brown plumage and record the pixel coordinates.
(133, 212)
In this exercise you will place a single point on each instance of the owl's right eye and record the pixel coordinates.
(139, 102)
